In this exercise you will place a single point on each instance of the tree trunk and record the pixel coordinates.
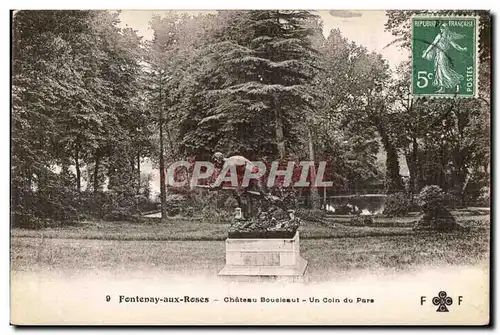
(16, 214)
(324, 198)
(133, 179)
(280, 140)
(77, 168)
(138, 173)
(96, 172)
(463, 192)
(163, 190)
(414, 168)
(169, 137)
(411, 168)
(314, 195)
(394, 181)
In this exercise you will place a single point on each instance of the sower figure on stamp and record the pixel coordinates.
(444, 76)
(243, 168)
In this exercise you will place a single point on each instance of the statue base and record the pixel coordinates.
(264, 259)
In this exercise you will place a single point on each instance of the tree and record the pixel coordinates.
(46, 84)
(359, 105)
(170, 56)
(445, 142)
(254, 77)
(349, 148)
(75, 86)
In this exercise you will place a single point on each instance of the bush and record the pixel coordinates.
(217, 215)
(212, 206)
(313, 215)
(176, 203)
(431, 197)
(120, 207)
(397, 204)
(483, 199)
(188, 212)
(435, 215)
(201, 198)
(53, 201)
(361, 220)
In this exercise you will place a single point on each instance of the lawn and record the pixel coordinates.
(327, 257)
(177, 229)
(187, 247)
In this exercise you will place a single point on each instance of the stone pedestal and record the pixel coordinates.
(264, 258)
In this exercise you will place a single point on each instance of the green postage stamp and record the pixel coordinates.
(444, 56)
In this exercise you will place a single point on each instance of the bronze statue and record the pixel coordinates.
(263, 215)
(242, 166)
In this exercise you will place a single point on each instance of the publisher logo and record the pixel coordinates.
(442, 300)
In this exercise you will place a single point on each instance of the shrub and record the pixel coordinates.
(397, 204)
(484, 197)
(361, 220)
(217, 215)
(54, 200)
(314, 215)
(188, 212)
(176, 203)
(431, 197)
(435, 215)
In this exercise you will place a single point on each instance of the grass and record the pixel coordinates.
(29, 254)
(410, 219)
(175, 230)
(407, 252)
(184, 247)
(183, 230)
(327, 257)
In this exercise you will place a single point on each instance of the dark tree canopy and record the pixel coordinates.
(92, 101)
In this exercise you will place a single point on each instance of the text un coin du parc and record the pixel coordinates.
(326, 300)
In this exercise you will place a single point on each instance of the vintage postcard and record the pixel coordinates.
(250, 167)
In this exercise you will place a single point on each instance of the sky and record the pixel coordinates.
(363, 27)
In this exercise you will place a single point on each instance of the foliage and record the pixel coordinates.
(356, 106)
(92, 100)
(55, 200)
(435, 215)
(445, 141)
(431, 197)
(313, 215)
(76, 103)
(361, 220)
(252, 85)
(397, 204)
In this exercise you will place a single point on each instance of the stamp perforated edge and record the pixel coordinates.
(433, 16)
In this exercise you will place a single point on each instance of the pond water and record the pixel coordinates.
(367, 204)
(346, 204)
